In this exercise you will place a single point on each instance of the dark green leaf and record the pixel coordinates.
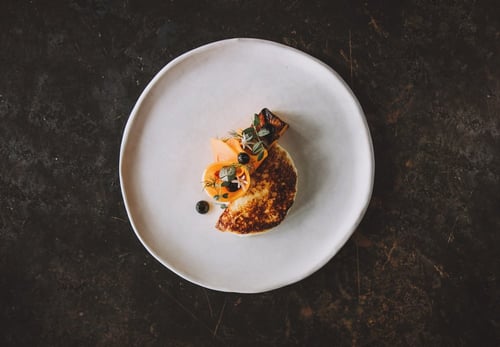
(257, 148)
(227, 171)
(225, 184)
(263, 132)
(260, 156)
(249, 133)
(256, 120)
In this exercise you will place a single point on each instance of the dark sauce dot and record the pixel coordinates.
(202, 207)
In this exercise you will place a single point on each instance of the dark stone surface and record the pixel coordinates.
(421, 270)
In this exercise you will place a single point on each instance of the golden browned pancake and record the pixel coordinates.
(271, 194)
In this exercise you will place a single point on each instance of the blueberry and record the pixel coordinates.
(202, 206)
(232, 187)
(243, 158)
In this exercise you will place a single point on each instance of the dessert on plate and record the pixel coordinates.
(252, 177)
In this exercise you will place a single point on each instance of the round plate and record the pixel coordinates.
(217, 88)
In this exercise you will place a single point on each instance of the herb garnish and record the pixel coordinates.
(227, 177)
(251, 138)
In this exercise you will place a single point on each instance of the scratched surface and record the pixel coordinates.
(421, 270)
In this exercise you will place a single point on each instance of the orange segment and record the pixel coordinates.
(234, 143)
(222, 151)
(213, 184)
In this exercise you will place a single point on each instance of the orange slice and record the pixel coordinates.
(222, 151)
(234, 144)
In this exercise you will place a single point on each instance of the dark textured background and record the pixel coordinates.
(421, 270)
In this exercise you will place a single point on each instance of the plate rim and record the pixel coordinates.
(133, 115)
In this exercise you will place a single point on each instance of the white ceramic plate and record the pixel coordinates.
(207, 92)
